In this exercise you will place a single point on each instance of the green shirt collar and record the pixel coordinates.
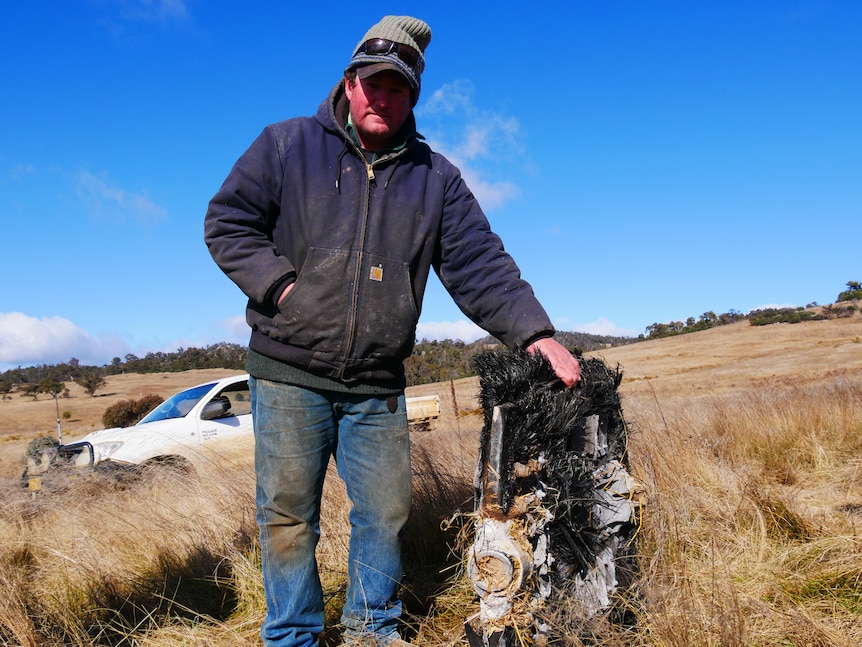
(403, 135)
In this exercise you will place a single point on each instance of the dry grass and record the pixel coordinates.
(107, 557)
(748, 440)
(753, 530)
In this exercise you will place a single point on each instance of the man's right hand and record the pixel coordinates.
(284, 293)
(565, 365)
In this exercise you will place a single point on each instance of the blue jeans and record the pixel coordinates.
(296, 431)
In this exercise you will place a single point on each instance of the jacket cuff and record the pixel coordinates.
(278, 287)
(542, 335)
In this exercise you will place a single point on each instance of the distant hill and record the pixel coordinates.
(431, 361)
(713, 360)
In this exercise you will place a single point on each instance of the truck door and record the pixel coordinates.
(225, 425)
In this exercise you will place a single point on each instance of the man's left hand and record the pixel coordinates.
(565, 364)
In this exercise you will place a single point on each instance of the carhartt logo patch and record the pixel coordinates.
(376, 273)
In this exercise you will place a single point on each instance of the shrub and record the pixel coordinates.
(91, 380)
(40, 443)
(769, 316)
(129, 412)
(852, 293)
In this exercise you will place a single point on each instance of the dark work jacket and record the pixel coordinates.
(302, 204)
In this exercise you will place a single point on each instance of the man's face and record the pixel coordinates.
(379, 106)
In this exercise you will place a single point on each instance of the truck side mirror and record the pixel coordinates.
(218, 407)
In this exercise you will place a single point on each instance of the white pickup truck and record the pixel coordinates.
(207, 423)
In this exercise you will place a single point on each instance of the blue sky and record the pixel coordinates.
(643, 161)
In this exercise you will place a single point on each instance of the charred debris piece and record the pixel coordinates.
(556, 508)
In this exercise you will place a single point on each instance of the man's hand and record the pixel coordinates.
(565, 364)
(284, 293)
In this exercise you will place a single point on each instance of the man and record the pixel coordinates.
(330, 225)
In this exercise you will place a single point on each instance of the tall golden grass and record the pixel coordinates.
(753, 530)
(749, 445)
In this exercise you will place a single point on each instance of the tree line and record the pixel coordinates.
(764, 316)
(431, 361)
(50, 379)
(440, 361)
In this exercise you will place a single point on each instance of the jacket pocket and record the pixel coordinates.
(314, 313)
(387, 311)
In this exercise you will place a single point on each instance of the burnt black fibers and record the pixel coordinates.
(545, 422)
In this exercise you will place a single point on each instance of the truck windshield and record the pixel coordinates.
(177, 405)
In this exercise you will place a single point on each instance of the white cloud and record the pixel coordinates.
(600, 326)
(490, 195)
(153, 10)
(773, 306)
(449, 99)
(122, 19)
(21, 171)
(462, 329)
(26, 341)
(170, 8)
(467, 331)
(31, 341)
(474, 139)
(236, 328)
(106, 200)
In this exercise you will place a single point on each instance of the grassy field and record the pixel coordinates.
(748, 440)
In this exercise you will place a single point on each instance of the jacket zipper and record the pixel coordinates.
(357, 275)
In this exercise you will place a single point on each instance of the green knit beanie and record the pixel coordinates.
(405, 30)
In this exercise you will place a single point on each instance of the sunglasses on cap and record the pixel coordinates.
(385, 47)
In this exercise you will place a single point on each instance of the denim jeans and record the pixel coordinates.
(296, 431)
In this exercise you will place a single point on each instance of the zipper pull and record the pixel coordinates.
(370, 170)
